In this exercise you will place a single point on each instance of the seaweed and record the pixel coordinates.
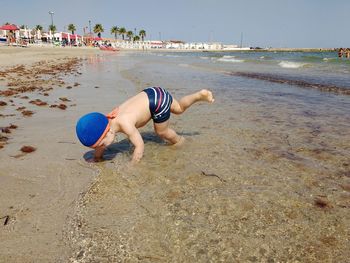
(322, 202)
(28, 149)
(214, 175)
(27, 113)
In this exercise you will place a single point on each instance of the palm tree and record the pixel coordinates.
(22, 27)
(129, 34)
(71, 27)
(142, 34)
(98, 29)
(115, 31)
(52, 28)
(38, 27)
(136, 38)
(122, 31)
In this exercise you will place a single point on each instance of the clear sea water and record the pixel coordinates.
(264, 175)
(314, 67)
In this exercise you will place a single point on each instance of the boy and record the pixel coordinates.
(98, 131)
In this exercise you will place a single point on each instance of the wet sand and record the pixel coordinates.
(262, 177)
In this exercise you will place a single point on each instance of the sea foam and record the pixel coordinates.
(231, 59)
(289, 64)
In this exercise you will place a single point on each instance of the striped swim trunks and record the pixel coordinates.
(159, 103)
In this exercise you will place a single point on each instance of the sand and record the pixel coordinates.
(39, 185)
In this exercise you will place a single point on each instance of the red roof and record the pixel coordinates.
(64, 35)
(92, 38)
(9, 27)
(74, 36)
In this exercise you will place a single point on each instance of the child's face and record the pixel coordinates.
(108, 139)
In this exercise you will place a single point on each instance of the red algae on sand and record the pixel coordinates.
(60, 106)
(27, 113)
(28, 149)
(5, 130)
(64, 99)
(322, 202)
(38, 102)
(8, 129)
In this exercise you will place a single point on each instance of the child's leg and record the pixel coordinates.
(180, 106)
(163, 130)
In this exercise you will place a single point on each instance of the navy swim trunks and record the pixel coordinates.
(159, 103)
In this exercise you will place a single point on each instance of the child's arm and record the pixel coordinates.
(99, 153)
(136, 139)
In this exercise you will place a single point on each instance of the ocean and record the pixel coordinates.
(264, 174)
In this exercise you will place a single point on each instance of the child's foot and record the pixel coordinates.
(180, 142)
(207, 95)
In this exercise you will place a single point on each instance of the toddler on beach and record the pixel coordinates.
(97, 131)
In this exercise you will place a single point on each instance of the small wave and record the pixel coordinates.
(266, 58)
(289, 64)
(230, 59)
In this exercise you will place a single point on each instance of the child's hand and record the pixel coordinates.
(94, 159)
(136, 157)
(98, 159)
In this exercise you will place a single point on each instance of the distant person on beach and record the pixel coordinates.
(97, 131)
(347, 53)
(340, 52)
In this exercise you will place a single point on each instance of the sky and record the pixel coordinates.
(257, 23)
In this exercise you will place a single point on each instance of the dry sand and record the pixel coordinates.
(39, 188)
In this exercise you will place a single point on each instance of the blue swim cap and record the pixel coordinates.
(91, 127)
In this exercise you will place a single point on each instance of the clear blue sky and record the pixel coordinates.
(264, 23)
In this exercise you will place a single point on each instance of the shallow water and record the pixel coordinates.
(264, 175)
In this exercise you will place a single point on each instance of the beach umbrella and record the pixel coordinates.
(9, 27)
(68, 38)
